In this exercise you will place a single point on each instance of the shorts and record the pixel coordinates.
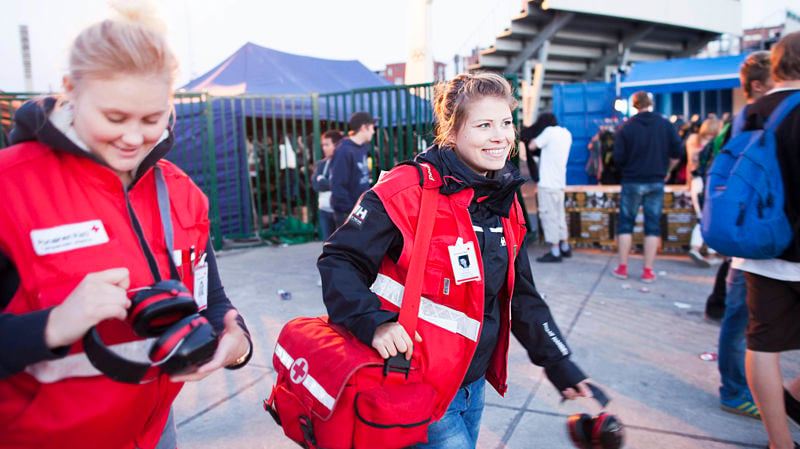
(774, 309)
(649, 195)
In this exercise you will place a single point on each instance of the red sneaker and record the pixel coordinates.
(621, 272)
(648, 276)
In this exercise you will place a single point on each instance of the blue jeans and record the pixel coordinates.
(649, 195)
(326, 226)
(732, 338)
(458, 428)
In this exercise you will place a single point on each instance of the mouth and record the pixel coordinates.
(495, 152)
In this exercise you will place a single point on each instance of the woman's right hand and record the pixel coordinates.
(391, 339)
(99, 296)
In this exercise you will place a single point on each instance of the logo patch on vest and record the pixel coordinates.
(68, 237)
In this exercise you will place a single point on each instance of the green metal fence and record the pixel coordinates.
(253, 155)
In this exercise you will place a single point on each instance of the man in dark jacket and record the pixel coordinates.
(645, 148)
(349, 169)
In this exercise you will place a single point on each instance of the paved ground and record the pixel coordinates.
(642, 346)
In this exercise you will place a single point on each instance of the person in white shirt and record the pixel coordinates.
(553, 142)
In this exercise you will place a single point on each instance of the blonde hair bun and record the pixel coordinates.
(142, 12)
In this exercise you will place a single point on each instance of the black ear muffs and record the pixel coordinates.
(603, 431)
(168, 311)
(579, 428)
(190, 344)
(156, 308)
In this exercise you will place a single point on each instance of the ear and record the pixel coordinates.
(68, 85)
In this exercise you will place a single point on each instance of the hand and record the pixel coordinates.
(232, 345)
(583, 391)
(391, 339)
(99, 296)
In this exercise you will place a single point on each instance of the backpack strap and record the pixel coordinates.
(784, 108)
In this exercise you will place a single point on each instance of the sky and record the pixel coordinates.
(204, 32)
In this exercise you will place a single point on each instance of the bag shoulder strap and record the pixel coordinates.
(784, 108)
(409, 310)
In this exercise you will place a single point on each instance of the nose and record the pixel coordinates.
(133, 136)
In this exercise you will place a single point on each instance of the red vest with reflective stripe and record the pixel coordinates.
(65, 402)
(450, 315)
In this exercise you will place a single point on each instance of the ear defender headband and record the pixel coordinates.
(603, 431)
(165, 310)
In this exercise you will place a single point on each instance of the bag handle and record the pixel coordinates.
(409, 308)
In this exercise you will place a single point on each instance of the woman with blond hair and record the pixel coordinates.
(92, 215)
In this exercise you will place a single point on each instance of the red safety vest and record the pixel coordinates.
(450, 315)
(64, 216)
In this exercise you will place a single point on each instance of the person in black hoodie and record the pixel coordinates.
(349, 176)
(646, 148)
(475, 136)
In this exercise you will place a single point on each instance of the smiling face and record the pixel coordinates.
(120, 119)
(486, 135)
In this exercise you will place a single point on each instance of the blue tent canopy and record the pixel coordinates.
(259, 70)
(680, 75)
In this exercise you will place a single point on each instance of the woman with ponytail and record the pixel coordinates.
(477, 287)
(81, 233)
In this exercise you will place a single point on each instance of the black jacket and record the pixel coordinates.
(352, 256)
(643, 147)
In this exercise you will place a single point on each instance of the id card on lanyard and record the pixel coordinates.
(201, 283)
(464, 261)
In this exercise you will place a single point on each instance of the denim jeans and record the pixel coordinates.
(732, 338)
(458, 428)
(649, 195)
(326, 225)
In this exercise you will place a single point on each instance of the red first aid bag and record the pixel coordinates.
(333, 391)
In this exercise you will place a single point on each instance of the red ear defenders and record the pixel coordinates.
(166, 310)
(603, 431)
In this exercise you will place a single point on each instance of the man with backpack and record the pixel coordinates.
(735, 396)
(773, 285)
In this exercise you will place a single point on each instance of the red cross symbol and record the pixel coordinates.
(299, 370)
(95, 228)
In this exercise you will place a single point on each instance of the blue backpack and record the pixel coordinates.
(743, 212)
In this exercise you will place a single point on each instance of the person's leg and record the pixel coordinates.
(766, 383)
(548, 215)
(561, 219)
(325, 224)
(474, 410)
(734, 393)
(629, 201)
(652, 204)
(715, 303)
(453, 431)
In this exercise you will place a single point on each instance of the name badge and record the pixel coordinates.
(68, 237)
(201, 283)
(464, 262)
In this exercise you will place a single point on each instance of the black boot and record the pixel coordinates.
(549, 257)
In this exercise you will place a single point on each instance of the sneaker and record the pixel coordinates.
(698, 259)
(567, 253)
(620, 273)
(548, 257)
(648, 277)
(741, 405)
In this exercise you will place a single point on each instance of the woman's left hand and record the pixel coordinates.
(583, 391)
(232, 346)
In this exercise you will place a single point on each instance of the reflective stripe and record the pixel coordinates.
(436, 314)
(78, 365)
(477, 228)
(309, 382)
(497, 229)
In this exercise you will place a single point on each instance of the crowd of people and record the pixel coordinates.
(119, 236)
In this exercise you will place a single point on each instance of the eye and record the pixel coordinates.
(483, 125)
(508, 122)
(115, 118)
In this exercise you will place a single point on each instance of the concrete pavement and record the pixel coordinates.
(641, 342)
